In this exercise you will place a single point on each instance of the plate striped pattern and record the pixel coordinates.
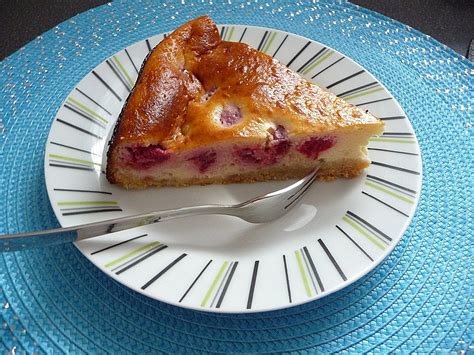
(305, 271)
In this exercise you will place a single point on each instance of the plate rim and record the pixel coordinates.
(244, 310)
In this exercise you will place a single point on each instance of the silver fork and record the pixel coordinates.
(260, 209)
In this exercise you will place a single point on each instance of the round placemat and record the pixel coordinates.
(419, 298)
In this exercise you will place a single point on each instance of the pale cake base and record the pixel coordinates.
(195, 117)
(345, 168)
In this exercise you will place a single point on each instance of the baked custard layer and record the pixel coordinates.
(208, 111)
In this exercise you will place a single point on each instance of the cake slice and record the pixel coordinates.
(206, 111)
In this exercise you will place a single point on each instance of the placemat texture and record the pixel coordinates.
(419, 299)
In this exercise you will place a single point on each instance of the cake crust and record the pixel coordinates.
(327, 172)
(192, 79)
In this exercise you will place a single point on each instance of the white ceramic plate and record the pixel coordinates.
(339, 232)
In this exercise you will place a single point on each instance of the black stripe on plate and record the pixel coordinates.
(385, 203)
(222, 31)
(311, 275)
(252, 284)
(74, 148)
(372, 177)
(226, 286)
(195, 280)
(68, 163)
(333, 261)
(71, 167)
(395, 168)
(391, 118)
(298, 54)
(329, 66)
(355, 243)
(94, 101)
(106, 85)
(221, 284)
(148, 45)
(262, 41)
(91, 191)
(117, 244)
(367, 224)
(318, 53)
(95, 211)
(393, 151)
(392, 187)
(243, 34)
(118, 75)
(395, 136)
(281, 44)
(162, 272)
(345, 79)
(359, 88)
(83, 115)
(143, 258)
(136, 257)
(375, 101)
(313, 267)
(287, 278)
(78, 128)
(131, 60)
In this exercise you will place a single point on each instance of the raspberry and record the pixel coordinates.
(204, 160)
(315, 145)
(146, 157)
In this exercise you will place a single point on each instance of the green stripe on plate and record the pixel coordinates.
(231, 32)
(362, 94)
(132, 253)
(123, 70)
(393, 140)
(391, 193)
(319, 61)
(304, 277)
(87, 109)
(363, 232)
(268, 45)
(214, 283)
(75, 160)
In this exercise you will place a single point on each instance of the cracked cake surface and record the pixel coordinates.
(208, 111)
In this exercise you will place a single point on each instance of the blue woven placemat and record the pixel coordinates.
(419, 299)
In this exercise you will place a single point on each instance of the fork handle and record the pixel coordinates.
(15, 242)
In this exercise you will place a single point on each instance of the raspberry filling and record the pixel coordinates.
(315, 145)
(280, 140)
(204, 160)
(271, 153)
(145, 157)
(230, 115)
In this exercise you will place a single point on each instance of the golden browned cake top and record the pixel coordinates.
(196, 89)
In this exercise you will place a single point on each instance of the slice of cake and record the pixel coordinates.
(206, 111)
